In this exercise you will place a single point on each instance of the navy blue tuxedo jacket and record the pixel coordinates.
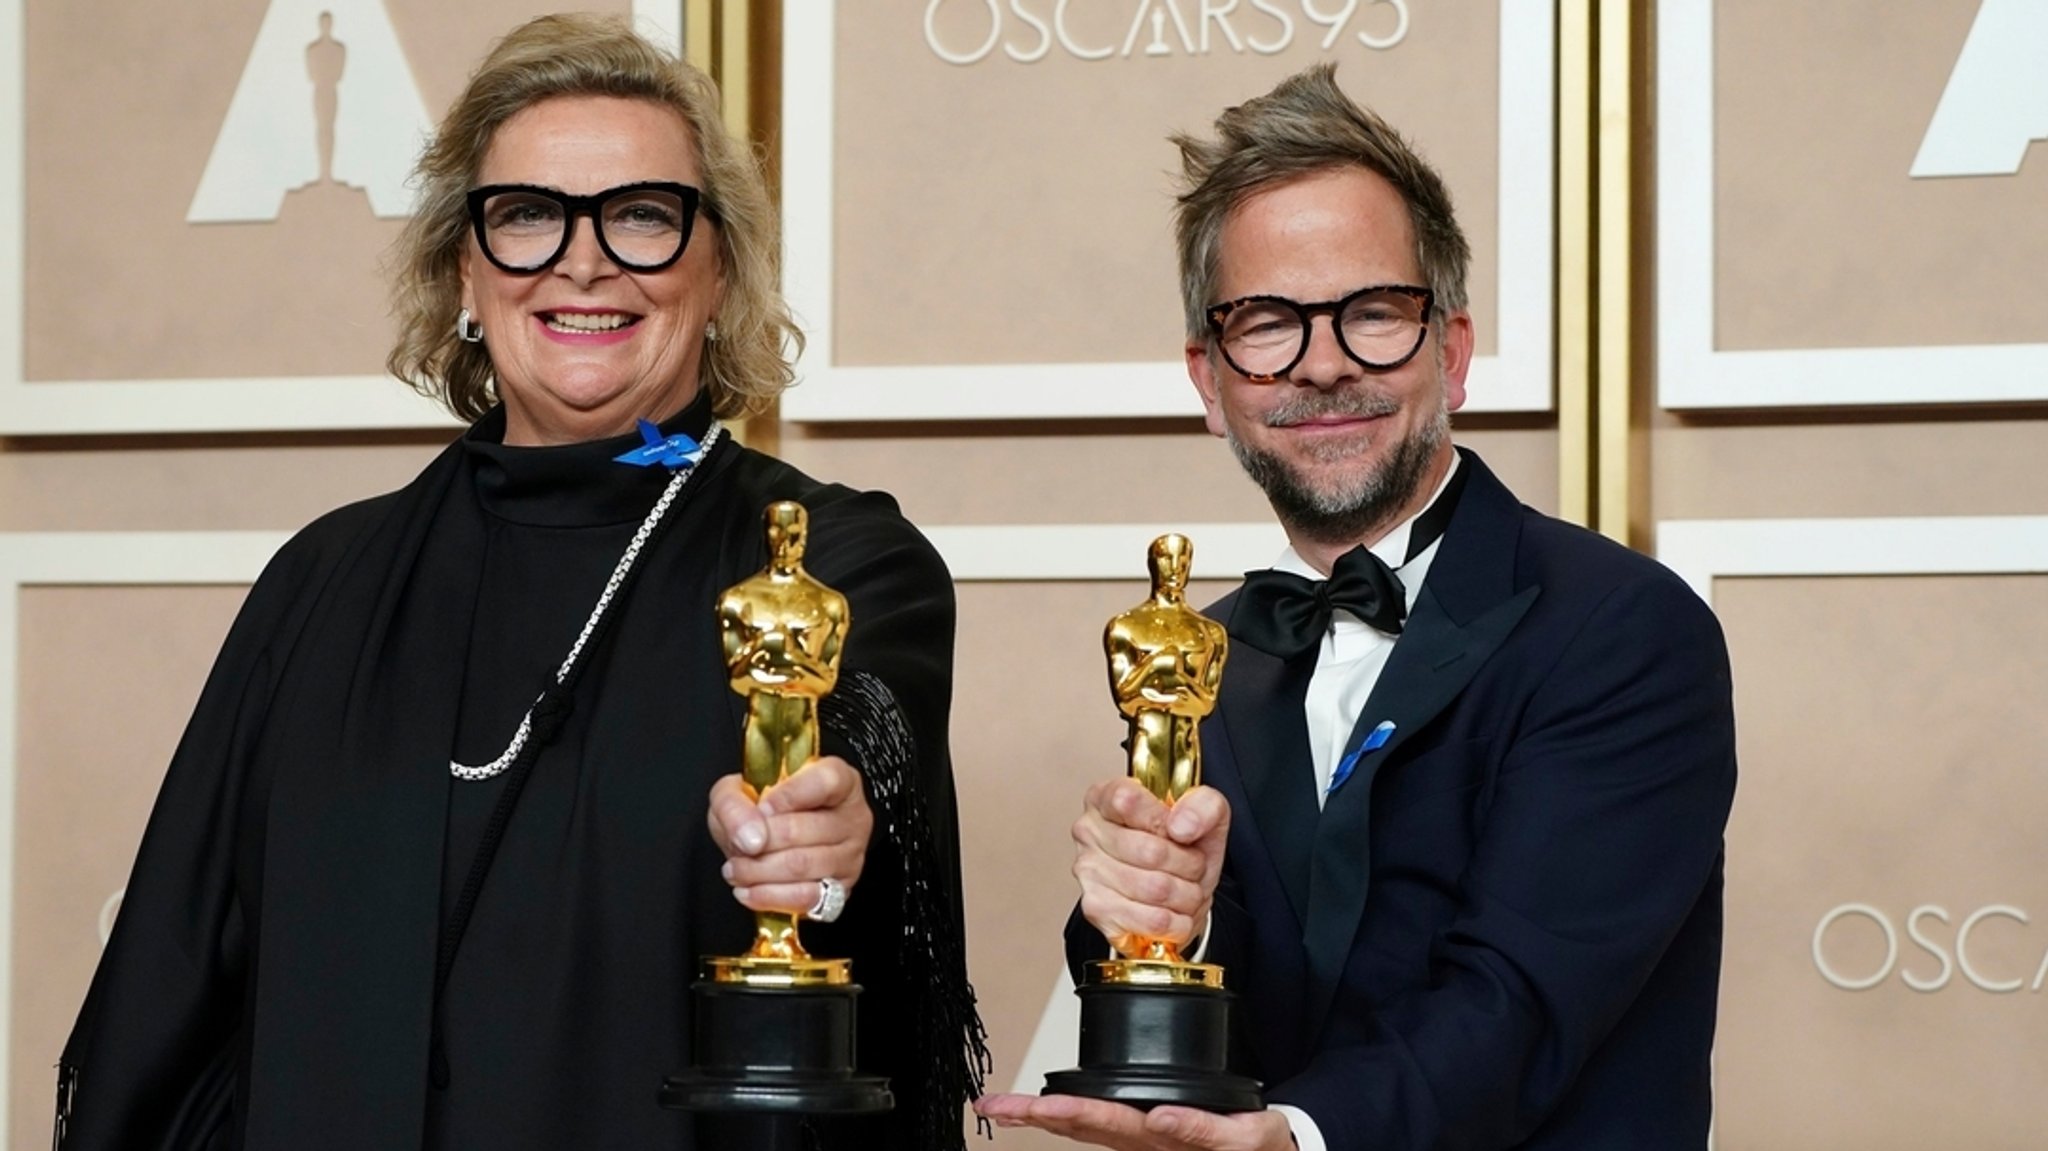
(1504, 929)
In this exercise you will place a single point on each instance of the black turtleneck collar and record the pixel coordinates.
(571, 485)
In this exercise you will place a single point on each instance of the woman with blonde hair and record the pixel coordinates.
(456, 815)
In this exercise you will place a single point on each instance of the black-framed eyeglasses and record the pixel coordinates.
(1381, 327)
(643, 227)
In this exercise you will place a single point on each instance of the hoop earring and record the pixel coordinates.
(467, 328)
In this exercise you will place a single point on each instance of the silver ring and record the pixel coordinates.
(831, 901)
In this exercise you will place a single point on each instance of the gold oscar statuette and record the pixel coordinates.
(782, 632)
(772, 1031)
(1155, 1029)
(1165, 666)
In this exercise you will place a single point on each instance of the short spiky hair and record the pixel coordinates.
(1305, 125)
(582, 55)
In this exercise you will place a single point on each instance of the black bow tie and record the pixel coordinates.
(1286, 615)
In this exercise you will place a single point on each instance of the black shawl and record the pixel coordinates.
(270, 982)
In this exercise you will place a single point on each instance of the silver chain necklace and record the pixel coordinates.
(483, 771)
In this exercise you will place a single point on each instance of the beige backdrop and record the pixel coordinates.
(1821, 238)
(1889, 730)
(1842, 800)
(122, 108)
(108, 676)
(1890, 758)
(1005, 212)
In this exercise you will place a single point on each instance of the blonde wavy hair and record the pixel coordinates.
(744, 369)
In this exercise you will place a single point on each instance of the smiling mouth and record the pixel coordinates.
(588, 321)
(1331, 411)
(1330, 421)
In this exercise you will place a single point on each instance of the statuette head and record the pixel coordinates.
(1169, 558)
(787, 526)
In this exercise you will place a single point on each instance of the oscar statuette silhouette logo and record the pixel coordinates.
(1155, 1028)
(326, 104)
(773, 1029)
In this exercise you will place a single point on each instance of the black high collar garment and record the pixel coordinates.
(571, 485)
(271, 975)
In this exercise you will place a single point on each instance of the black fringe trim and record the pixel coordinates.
(951, 1041)
(67, 1092)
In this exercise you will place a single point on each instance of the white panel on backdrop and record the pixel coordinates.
(90, 558)
(1692, 371)
(45, 407)
(1516, 378)
(1095, 551)
(1702, 550)
(1996, 101)
(661, 22)
(271, 141)
(1057, 1039)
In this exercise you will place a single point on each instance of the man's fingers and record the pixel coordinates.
(1093, 1121)
(1161, 889)
(1201, 814)
(1116, 917)
(1135, 881)
(1129, 805)
(1197, 1128)
(1142, 850)
(1004, 1106)
(1119, 899)
(1251, 1131)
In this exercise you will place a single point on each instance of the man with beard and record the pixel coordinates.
(1460, 844)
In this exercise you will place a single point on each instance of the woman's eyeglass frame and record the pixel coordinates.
(591, 206)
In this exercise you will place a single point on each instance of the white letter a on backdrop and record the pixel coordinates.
(1996, 102)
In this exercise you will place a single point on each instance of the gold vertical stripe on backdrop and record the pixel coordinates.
(725, 39)
(1574, 291)
(735, 66)
(1615, 351)
(700, 34)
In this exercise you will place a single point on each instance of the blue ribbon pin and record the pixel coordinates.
(674, 452)
(1374, 740)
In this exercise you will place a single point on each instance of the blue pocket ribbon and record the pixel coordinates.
(1374, 740)
(674, 452)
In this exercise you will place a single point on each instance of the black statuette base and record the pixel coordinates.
(1146, 1046)
(780, 1050)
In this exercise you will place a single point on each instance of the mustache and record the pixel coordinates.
(1317, 405)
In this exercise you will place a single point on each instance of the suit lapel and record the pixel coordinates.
(1261, 705)
(1466, 610)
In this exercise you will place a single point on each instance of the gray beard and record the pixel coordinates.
(1349, 510)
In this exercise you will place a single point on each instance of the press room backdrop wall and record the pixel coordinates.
(1849, 229)
(978, 202)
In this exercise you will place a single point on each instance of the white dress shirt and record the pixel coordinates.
(1352, 657)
